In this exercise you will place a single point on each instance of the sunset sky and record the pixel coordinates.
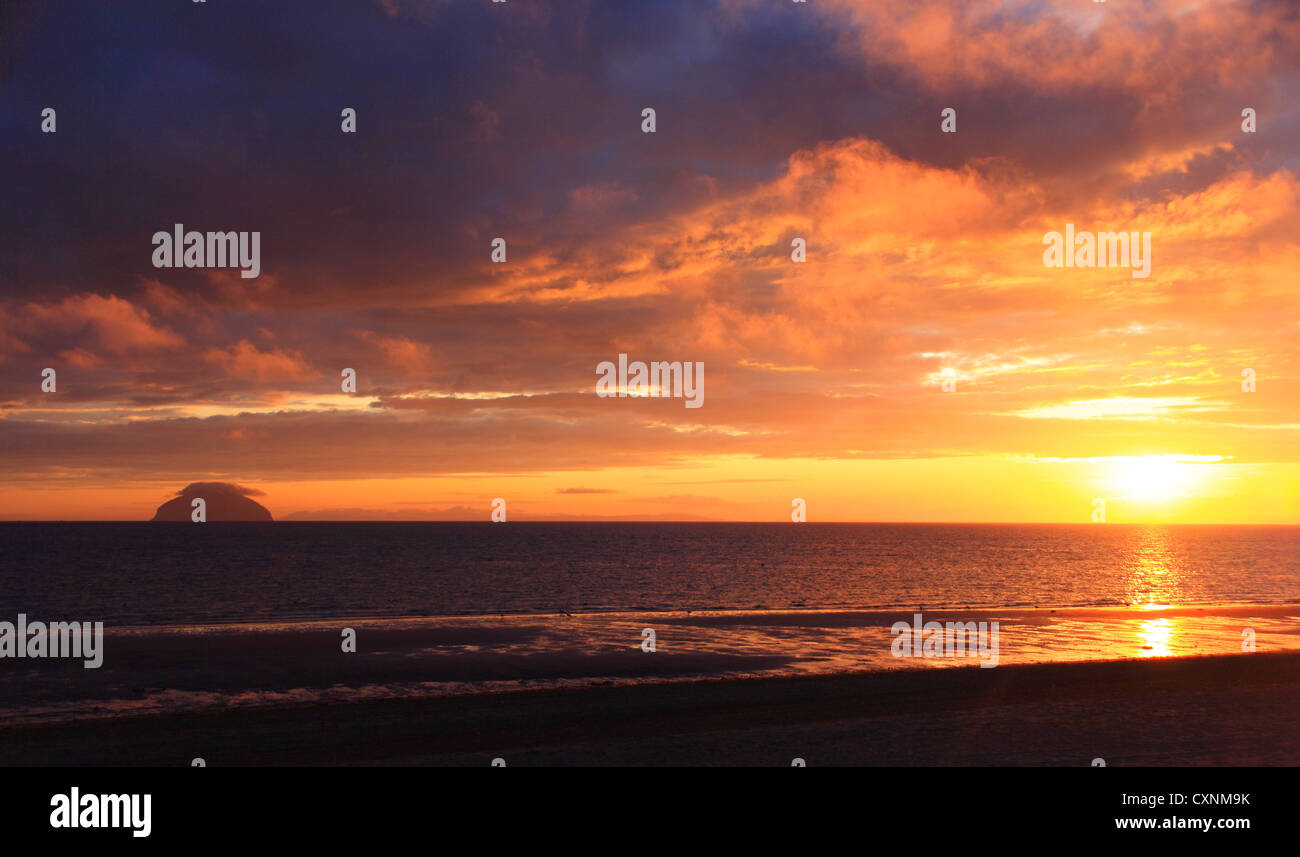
(775, 120)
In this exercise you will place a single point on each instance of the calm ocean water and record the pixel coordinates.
(148, 574)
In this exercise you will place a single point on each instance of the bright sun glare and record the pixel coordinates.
(1152, 477)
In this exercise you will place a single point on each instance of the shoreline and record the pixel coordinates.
(157, 671)
(1210, 710)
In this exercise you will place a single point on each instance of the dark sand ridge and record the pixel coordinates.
(1225, 710)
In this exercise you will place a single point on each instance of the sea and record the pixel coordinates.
(150, 574)
(224, 614)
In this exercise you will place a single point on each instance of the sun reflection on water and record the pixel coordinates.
(1156, 635)
(1154, 579)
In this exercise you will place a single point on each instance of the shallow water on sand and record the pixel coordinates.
(160, 669)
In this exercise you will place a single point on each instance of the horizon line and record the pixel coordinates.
(654, 521)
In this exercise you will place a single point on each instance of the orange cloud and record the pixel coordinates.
(412, 358)
(109, 323)
(244, 361)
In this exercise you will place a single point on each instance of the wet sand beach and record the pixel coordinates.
(1219, 710)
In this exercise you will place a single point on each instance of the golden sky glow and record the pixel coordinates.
(823, 379)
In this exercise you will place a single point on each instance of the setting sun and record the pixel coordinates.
(1154, 478)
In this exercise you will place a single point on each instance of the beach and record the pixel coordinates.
(1194, 711)
(170, 669)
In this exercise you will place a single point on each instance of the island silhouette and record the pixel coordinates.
(225, 501)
